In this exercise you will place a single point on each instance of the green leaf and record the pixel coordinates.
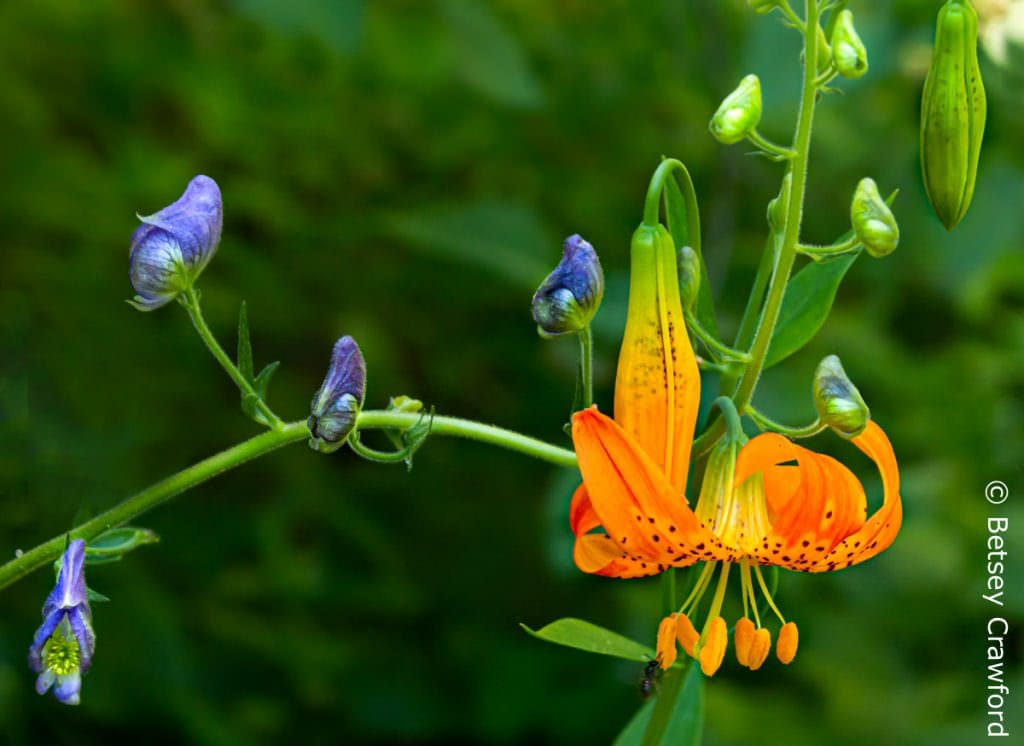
(95, 596)
(337, 23)
(808, 300)
(110, 545)
(510, 240)
(682, 235)
(244, 344)
(576, 633)
(262, 380)
(492, 59)
(675, 718)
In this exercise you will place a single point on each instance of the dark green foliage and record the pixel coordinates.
(404, 172)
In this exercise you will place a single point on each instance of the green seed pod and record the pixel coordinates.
(873, 221)
(952, 114)
(838, 401)
(689, 277)
(848, 51)
(739, 113)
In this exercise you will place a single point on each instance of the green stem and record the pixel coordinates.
(767, 423)
(768, 147)
(459, 428)
(190, 300)
(787, 253)
(668, 591)
(587, 365)
(817, 253)
(713, 344)
(150, 497)
(652, 201)
(748, 322)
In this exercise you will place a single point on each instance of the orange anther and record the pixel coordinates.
(713, 650)
(785, 648)
(686, 634)
(760, 646)
(743, 636)
(667, 641)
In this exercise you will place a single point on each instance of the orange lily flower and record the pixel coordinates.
(768, 502)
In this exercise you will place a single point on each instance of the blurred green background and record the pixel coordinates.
(404, 172)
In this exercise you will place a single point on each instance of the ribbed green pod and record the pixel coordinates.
(952, 114)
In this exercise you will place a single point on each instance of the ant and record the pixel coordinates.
(652, 672)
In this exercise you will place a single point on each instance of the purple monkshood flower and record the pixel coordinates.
(336, 405)
(171, 247)
(568, 298)
(62, 648)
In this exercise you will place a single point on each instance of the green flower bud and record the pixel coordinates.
(952, 114)
(777, 207)
(873, 221)
(838, 401)
(848, 51)
(824, 57)
(739, 113)
(689, 277)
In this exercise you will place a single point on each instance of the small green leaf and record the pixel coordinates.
(634, 731)
(117, 541)
(576, 633)
(249, 406)
(262, 381)
(808, 300)
(682, 235)
(95, 596)
(244, 344)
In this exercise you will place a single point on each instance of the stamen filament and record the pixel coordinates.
(767, 595)
(698, 589)
(748, 592)
(716, 602)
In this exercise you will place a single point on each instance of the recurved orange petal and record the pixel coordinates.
(637, 506)
(880, 529)
(657, 386)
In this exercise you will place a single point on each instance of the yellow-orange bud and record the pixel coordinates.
(667, 641)
(713, 651)
(742, 637)
(787, 643)
(686, 634)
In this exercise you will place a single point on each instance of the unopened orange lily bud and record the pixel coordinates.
(787, 643)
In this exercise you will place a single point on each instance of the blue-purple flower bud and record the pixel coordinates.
(171, 247)
(569, 297)
(336, 405)
(63, 646)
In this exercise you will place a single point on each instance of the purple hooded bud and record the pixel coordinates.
(336, 405)
(569, 297)
(172, 247)
(63, 646)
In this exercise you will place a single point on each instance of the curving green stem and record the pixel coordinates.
(777, 152)
(152, 496)
(460, 428)
(652, 201)
(190, 300)
(282, 435)
(767, 423)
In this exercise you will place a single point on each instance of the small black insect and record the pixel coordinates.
(652, 672)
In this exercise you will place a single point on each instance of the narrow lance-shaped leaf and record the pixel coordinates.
(675, 718)
(582, 635)
(262, 381)
(809, 298)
